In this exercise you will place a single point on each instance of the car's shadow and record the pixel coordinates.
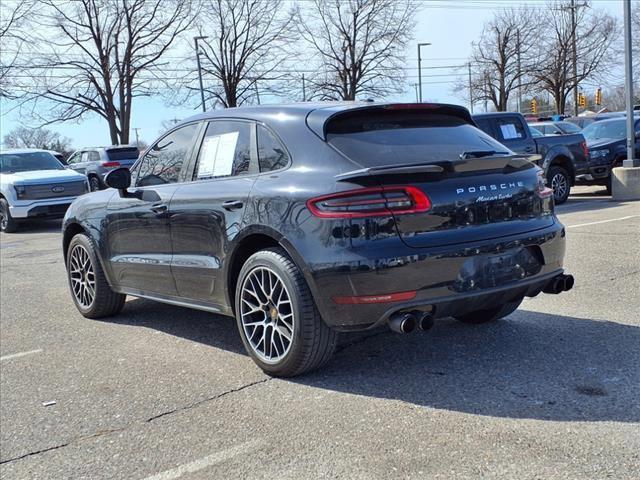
(530, 365)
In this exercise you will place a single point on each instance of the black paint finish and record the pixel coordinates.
(181, 242)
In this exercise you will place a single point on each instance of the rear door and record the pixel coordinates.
(473, 196)
(207, 212)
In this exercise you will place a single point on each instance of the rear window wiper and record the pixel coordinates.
(481, 153)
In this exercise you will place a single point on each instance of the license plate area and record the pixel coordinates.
(493, 270)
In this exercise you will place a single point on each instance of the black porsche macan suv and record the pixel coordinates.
(309, 219)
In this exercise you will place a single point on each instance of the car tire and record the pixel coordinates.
(7, 223)
(83, 269)
(489, 315)
(94, 183)
(273, 303)
(559, 180)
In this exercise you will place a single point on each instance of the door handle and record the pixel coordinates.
(232, 205)
(159, 208)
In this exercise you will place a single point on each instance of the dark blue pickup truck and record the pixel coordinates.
(607, 141)
(564, 157)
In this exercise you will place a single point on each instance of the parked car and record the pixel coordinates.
(556, 128)
(563, 157)
(607, 142)
(96, 162)
(309, 219)
(34, 184)
(584, 122)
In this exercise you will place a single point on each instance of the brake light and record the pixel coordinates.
(585, 149)
(110, 164)
(370, 202)
(541, 189)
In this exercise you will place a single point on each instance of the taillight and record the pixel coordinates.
(585, 149)
(110, 164)
(541, 189)
(370, 202)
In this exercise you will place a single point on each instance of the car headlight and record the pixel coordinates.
(595, 154)
(21, 191)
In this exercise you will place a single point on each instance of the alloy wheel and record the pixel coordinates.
(82, 276)
(4, 217)
(266, 314)
(559, 185)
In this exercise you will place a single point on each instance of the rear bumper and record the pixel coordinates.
(439, 276)
(41, 208)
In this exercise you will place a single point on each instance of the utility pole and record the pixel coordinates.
(575, 57)
(420, 45)
(631, 160)
(137, 137)
(195, 39)
(470, 89)
(519, 72)
(304, 90)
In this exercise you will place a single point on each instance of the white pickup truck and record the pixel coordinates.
(34, 184)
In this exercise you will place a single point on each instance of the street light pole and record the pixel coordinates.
(631, 160)
(195, 39)
(420, 45)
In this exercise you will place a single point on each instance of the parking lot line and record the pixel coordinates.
(205, 462)
(20, 354)
(603, 221)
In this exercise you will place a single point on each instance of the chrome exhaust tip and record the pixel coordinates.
(403, 323)
(424, 320)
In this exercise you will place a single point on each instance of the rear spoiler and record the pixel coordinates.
(504, 162)
(318, 120)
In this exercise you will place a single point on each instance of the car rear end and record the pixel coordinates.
(117, 157)
(428, 214)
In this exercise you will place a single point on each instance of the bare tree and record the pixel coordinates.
(596, 33)
(13, 16)
(23, 137)
(98, 55)
(499, 59)
(247, 43)
(360, 44)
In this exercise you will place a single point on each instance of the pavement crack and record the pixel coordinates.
(37, 452)
(200, 402)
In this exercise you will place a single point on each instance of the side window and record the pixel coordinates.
(511, 129)
(225, 150)
(85, 157)
(94, 156)
(271, 153)
(163, 162)
(75, 158)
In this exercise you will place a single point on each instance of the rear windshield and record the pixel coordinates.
(123, 154)
(409, 138)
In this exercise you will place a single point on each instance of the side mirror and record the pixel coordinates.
(120, 178)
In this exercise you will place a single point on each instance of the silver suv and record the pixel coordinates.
(96, 162)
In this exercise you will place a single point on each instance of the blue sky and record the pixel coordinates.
(449, 26)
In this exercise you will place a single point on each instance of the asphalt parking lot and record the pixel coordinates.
(163, 392)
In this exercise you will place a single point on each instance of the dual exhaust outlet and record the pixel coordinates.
(559, 284)
(407, 322)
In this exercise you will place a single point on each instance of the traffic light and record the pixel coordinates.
(534, 105)
(599, 96)
(582, 100)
